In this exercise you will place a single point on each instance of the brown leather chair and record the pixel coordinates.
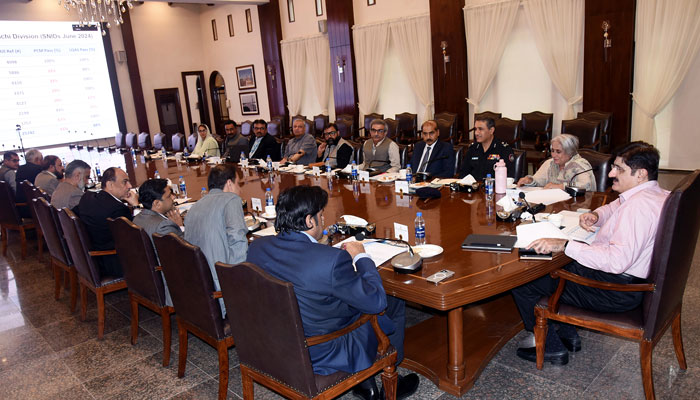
(32, 192)
(345, 128)
(273, 128)
(535, 135)
(520, 164)
(270, 339)
(459, 155)
(89, 276)
(357, 154)
(605, 119)
(198, 311)
(368, 119)
(393, 124)
(47, 217)
(144, 280)
(408, 127)
(587, 132)
(601, 164)
(672, 257)
(447, 129)
(404, 155)
(320, 123)
(508, 130)
(10, 219)
(488, 114)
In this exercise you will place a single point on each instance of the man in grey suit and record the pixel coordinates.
(51, 174)
(215, 223)
(69, 192)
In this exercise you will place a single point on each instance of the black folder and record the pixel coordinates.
(494, 243)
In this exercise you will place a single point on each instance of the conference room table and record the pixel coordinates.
(473, 312)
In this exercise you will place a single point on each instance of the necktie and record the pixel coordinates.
(424, 164)
(255, 145)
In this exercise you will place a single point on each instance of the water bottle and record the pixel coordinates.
(156, 175)
(409, 173)
(98, 172)
(328, 166)
(269, 199)
(501, 176)
(419, 224)
(269, 163)
(353, 171)
(488, 186)
(183, 187)
(203, 192)
(242, 157)
(133, 156)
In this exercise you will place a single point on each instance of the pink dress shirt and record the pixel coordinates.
(625, 241)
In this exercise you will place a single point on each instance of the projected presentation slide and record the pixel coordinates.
(54, 85)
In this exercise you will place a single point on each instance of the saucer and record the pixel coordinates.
(428, 250)
(268, 216)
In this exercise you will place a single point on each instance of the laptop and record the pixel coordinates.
(493, 243)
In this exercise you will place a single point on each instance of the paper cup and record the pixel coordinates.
(510, 181)
(402, 174)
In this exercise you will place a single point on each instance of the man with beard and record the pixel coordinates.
(335, 149)
(69, 192)
(52, 172)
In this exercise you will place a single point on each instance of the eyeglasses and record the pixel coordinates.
(331, 133)
(14, 159)
(377, 130)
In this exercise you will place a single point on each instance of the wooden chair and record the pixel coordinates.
(393, 124)
(508, 130)
(89, 276)
(246, 127)
(488, 114)
(535, 135)
(601, 164)
(587, 132)
(32, 192)
(273, 128)
(47, 217)
(130, 140)
(144, 280)
(460, 150)
(365, 128)
(447, 129)
(345, 128)
(672, 257)
(192, 142)
(408, 127)
(198, 311)
(270, 339)
(10, 219)
(605, 119)
(520, 163)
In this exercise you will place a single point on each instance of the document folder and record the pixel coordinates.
(495, 243)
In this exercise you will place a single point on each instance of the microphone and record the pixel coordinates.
(574, 191)
(532, 210)
(405, 262)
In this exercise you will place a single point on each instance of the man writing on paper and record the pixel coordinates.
(486, 151)
(432, 156)
(331, 292)
(620, 253)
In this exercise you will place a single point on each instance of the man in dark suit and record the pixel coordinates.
(331, 292)
(263, 144)
(95, 208)
(431, 155)
(28, 171)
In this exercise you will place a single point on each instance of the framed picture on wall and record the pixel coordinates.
(230, 25)
(248, 20)
(319, 8)
(246, 77)
(249, 103)
(371, 2)
(290, 10)
(213, 29)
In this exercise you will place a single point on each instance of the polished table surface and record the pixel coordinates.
(475, 313)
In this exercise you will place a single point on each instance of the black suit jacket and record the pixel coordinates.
(443, 155)
(94, 209)
(268, 146)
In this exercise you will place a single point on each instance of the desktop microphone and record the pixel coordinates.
(403, 263)
(532, 210)
(574, 191)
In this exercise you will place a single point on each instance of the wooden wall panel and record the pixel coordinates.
(340, 21)
(447, 24)
(271, 34)
(607, 84)
(134, 74)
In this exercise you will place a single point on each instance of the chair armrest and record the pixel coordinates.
(98, 253)
(20, 204)
(216, 295)
(373, 318)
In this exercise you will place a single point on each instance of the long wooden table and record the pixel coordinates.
(475, 314)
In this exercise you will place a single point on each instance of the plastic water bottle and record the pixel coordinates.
(488, 186)
(353, 171)
(183, 187)
(501, 176)
(328, 166)
(242, 157)
(409, 173)
(269, 199)
(156, 175)
(98, 172)
(419, 224)
(269, 163)
(203, 192)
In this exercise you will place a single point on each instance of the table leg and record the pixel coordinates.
(455, 326)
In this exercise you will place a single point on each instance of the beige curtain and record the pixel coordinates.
(370, 48)
(318, 57)
(487, 27)
(667, 39)
(557, 26)
(294, 62)
(412, 38)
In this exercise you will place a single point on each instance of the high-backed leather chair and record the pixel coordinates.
(143, 276)
(281, 123)
(273, 128)
(178, 142)
(520, 164)
(345, 128)
(10, 219)
(270, 340)
(320, 123)
(488, 114)
(601, 163)
(508, 130)
(459, 156)
(447, 129)
(404, 157)
(159, 141)
(198, 311)
(131, 140)
(61, 261)
(192, 142)
(246, 127)
(676, 237)
(535, 130)
(120, 140)
(393, 124)
(89, 276)
(587, 132)
(356, 152)
(605, 119)
(32, 192)
(368, 119)
(446, 115)
(408, 127)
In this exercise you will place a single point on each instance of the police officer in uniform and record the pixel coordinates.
(486, 151)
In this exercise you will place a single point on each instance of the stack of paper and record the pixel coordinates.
(378, 252)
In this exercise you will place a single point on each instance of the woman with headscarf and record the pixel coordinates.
(565, 168)
(206, 144)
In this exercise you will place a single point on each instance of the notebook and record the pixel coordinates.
(497, 243)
